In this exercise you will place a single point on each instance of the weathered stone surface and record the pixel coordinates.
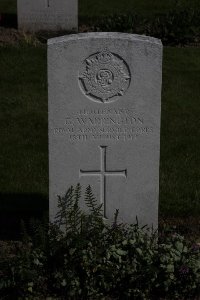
(35, 15)
(104, 121)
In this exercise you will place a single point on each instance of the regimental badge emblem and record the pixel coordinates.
(104, 77)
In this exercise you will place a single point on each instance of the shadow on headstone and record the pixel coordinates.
(8, 20)
(17, 207)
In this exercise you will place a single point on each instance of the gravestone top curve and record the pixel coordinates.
(105, 35)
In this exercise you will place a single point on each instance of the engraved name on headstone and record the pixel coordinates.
(104, 121)
(47, 15)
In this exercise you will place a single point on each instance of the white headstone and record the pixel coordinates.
(35, 15)
(104, 121)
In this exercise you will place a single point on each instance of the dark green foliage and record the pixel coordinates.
(82, 256)
(104, 7)
(92, 203)
(177, 27)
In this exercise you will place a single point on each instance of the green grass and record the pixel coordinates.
(23, 94)
(180, 135)
(101, 7)
(8, 6)
(23, 123)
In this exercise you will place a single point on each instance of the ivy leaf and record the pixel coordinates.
(139, 251)
(121, 252)
(170, 269)
(179, 246)
(64, 283)
(71, 251)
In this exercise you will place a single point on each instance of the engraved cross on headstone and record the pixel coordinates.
(103, 173)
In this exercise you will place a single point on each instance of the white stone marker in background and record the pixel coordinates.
(35, 15)
(104, 121)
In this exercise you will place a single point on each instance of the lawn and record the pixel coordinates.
(24, 141)
(180, 134)
(8, 6)
(23, 90)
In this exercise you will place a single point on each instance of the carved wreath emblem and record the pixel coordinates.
(104, 76)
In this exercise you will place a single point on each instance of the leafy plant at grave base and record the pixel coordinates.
(81, 256)
(180, 26)
(176, 27)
